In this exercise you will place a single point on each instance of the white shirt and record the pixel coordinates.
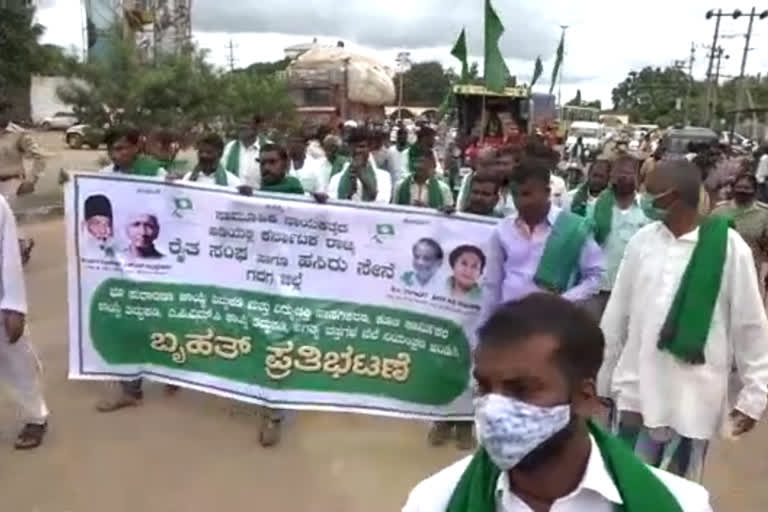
(204, 179)
(383, 186)
(762, 169)
(313, 175)
(397, 161)
(250, 170)
(13, 296)
(595, 493)
(691, 399)
(420, 193)
(558, 190)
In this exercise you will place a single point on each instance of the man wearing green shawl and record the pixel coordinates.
(209, 170)
(684, 307)
(540, 247)
(422, 188)
(616, 216)
(425, 143)
(359, 179)
(581, 200)
(123, 149)
(535, 368)
(275, 165)
(241, 156)
(163, 145)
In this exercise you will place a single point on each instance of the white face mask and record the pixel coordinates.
(510, 429)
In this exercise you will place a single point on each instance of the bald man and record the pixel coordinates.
(685, 305)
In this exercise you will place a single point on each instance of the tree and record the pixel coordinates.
(181, 91)
(652, 95)
(20, 51)
(426, 84)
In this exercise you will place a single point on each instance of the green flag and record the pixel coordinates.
(495, 68)
(558, 62)
(538, 69)
(460, 52)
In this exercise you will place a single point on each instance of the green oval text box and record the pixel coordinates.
(433, 379)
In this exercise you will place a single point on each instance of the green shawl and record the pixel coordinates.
(465, 191)
(345, 182)
(337, 165)
(686, 327)
(434, 194)
(288, 185)
(640, 489)
(145, 166)
(602, 216)
(580, 200)
(560, 259)
(233, 158)
(220, 175)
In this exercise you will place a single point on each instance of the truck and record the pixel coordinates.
(475, 104)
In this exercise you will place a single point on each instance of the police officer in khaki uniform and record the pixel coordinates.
(16, 144)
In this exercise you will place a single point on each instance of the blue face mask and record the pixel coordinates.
(651, 211)
(510, 429)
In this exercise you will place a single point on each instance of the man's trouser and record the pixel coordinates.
(596, 304)
(20, 372)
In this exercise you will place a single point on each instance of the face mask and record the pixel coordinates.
(651, 211)
(510, 429)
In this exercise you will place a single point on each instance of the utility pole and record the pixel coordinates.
(720, 56)
(691, 60)
(708, 107)
(742, 89)
(231, 60)
(560, 78)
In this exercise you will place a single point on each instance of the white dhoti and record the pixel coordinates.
(8, 189)
(20, 372)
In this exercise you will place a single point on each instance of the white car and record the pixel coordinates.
(59, 121)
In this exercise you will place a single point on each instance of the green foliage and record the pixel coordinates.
(20, 52)
(180, 91)
(426, 84)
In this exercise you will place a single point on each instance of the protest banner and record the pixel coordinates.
(273, 299)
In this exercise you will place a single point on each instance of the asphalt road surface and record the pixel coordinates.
(195, 452)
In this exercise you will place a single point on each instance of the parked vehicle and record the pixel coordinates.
(59, 121)
(84, 134)
(591, 134)
(676, 141)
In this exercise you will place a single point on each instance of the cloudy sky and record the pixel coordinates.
(606, 38)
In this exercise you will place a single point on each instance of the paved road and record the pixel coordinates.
(194, 452)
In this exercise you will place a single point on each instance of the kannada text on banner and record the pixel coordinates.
(273, 300)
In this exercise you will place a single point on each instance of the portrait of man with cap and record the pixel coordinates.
(98, 224)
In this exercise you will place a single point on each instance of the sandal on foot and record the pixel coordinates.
(31, 436)
(115, 404)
